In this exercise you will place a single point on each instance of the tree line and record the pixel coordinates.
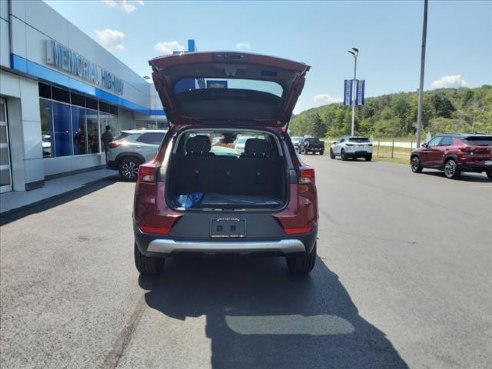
(460, 110)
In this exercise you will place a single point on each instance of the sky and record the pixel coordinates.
(387, 33)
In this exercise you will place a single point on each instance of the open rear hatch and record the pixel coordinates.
(228, 88)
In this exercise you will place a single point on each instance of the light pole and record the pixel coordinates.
(354, 52)
(422, 67)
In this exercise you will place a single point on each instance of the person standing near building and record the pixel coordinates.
(106, 139)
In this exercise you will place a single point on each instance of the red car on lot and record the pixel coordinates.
(204, 193)
(454, 154)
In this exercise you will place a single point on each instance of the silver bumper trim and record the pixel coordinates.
(170, 246)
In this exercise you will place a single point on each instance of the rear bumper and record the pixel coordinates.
(167, 247)
(354, 154)
(162, 245)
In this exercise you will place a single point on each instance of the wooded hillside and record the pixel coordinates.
(395, 115)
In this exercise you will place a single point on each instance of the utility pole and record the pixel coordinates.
(354, 52)
(422, 67)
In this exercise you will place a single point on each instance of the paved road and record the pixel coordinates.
(403, 280)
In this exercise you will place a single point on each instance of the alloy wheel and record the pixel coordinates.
(129, 169)
(451, 169)
(416, 167)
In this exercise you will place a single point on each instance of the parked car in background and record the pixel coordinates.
(454, 154)
(46, 145)
(296, 141)
(200, 195)
(240, 143)
(132, 148)
(349, 147)
(311, 145)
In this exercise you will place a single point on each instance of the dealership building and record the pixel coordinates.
(59, 89)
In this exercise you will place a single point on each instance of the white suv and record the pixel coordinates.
(132, 148)
(351, 147)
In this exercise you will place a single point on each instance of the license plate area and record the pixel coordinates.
(227, 228)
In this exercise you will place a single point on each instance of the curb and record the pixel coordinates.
(16, 213)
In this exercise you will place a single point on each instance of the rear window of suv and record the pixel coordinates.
(153, 138)
(359, 139)
(479, 140)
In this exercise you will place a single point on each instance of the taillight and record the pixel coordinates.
(467, 150)
(114, 144)
(159, 230)
(306, 176)
(349, 144)
(147, 173)
(298, 230)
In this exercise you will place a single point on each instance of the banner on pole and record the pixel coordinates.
(347, 92)
(360, 89)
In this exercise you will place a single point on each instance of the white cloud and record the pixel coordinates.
(243, 46)
(449, 81)
(125, 5)
(168, 47)
(111, 39)
(323, 99)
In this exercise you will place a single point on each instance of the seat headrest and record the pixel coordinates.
(257, 148)
(198, 145)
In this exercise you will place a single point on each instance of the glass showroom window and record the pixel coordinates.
(62, 129)
(93, 131)
(55, 129)
(111, 120)
(72, 123)
(79, 130)
(47, 137)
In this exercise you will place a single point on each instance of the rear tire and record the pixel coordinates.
(128, 168)
(415, 164)
(451, 169)
(332, 155)
(322, 152)
(368, 157)
(342, 155)
(147, 265)
(302, 264)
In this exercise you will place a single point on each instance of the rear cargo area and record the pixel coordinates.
(212, 170)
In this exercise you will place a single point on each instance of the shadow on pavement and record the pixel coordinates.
(258, 316)
(46, 204)
(465, 177)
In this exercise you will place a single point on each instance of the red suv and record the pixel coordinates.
(455, 153)
(204, 193)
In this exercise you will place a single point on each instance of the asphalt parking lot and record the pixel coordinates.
(403, 280)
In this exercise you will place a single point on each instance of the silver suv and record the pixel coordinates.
(352, 147)
(132, 148)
